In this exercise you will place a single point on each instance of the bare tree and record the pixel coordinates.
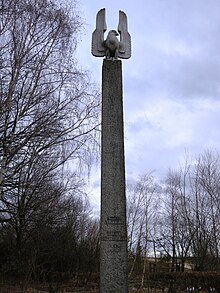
(177, 230)
(191, 213)
(206, 242)
(49, 110)
(168, 237)
(142, 201)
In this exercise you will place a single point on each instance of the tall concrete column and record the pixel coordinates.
(113, 258)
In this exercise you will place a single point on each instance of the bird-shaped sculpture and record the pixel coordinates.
(111, 48)
(112, 45)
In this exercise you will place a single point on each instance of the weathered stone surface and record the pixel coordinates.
(111, 47)
(113, 262)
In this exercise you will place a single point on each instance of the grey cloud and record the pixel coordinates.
(171, 82)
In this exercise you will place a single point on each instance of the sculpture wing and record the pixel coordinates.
(125, 38)
(98, 48)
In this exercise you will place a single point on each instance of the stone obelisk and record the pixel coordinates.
(113, 258)
(113, 243)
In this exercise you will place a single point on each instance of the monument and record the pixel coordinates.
(113, 254)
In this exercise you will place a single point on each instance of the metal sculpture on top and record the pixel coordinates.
(111, 48)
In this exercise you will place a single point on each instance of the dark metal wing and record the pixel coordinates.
(125, 38)
(98, 48)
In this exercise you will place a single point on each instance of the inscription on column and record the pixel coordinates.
(113, 221)
(112, 229)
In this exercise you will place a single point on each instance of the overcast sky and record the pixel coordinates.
(171, 82)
